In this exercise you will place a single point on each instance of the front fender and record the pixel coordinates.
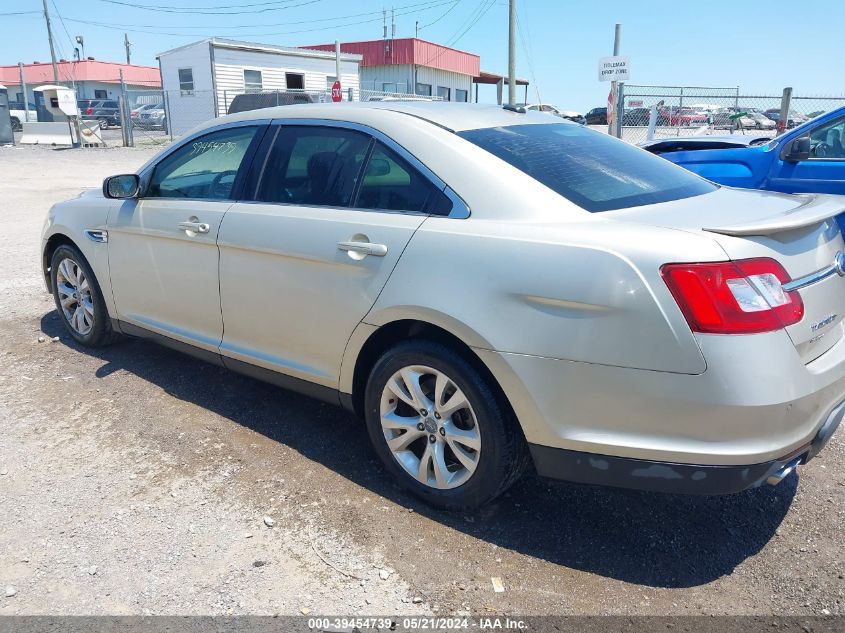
(69, 220)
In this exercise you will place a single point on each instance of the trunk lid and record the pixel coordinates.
(799, 231)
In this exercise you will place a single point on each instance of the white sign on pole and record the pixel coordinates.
(614, 68)
(67, 102)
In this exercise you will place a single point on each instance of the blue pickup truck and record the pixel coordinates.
(807, 159)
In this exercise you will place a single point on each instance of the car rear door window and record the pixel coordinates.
(204, 168)
(391, 184)
(313, 165)
(591, 169)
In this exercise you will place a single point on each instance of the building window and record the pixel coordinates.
(330, 79)
(294, 81)
(390, 87)
(424, 89)
(186, 81)
(444, 93)
(461, 95)
(252, 81)
(101, 94)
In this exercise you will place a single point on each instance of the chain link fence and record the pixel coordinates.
(653, 112)
(156, 116)
(146, 122)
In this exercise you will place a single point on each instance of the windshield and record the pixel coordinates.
(591, 169)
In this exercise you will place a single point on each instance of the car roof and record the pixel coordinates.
(453, 116)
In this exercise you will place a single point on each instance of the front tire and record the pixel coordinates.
(16, 124)
(79, 299)
(440, 428)
(103, 123)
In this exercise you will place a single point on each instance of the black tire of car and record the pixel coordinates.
(102, 333)
(16, 124)
(504, 454)
(103, 123)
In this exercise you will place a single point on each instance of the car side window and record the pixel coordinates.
(313, 165)
(203, 168)
(826, 141)
(391, 184)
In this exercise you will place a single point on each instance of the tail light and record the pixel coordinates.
(89, 110)
(738, 297)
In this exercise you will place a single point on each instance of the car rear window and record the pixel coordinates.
(591, 169)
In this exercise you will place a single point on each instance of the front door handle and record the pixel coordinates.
(363, 248)
(195, 227)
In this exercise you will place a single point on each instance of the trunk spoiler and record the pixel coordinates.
(813, 210)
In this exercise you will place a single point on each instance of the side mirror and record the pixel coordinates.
(121, 187)
(798, 150)
(378, 167)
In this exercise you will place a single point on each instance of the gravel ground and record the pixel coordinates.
(136, 480)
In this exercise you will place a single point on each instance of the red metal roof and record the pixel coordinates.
(410, 51)
(87, 70)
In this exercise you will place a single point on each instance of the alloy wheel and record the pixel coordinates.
(430, 427)
(75, 296)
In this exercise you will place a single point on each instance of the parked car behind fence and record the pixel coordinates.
(105, 111)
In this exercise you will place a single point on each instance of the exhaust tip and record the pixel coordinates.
(783, 472)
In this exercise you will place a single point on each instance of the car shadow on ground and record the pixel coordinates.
(650, 539)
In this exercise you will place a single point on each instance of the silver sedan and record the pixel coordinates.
(491, 290)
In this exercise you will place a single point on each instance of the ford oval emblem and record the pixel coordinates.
(839, 263)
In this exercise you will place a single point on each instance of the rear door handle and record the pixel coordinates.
(195, 227)
(364, 248)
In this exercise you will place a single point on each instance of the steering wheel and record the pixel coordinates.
(219, 190)
(822, 150)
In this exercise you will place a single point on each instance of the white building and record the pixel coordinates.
(201, 79)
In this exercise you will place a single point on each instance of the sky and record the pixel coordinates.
(761, 46)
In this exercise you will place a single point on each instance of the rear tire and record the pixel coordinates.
(16, 124)
(79, 299)
(440, 428)
(103, 123)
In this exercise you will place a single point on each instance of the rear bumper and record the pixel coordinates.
(697, 479)
(755, 404)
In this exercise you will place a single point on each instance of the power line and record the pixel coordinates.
(22, 13)
(156, 7)
(428, 4)
(273, 34)
(448, 11)
(188, 11)
(479, 12)
(528, 57)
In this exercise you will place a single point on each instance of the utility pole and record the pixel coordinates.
(127, 44)
(512, 55)
(23, 90)
(52, 48)
(337, 60)
(615, 127)
(417, 27)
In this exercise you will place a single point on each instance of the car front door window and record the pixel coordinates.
(826, 141)
(204, 168)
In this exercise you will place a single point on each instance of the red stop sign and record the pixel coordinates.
(337, 92)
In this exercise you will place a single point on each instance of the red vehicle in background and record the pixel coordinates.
(686, 117)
